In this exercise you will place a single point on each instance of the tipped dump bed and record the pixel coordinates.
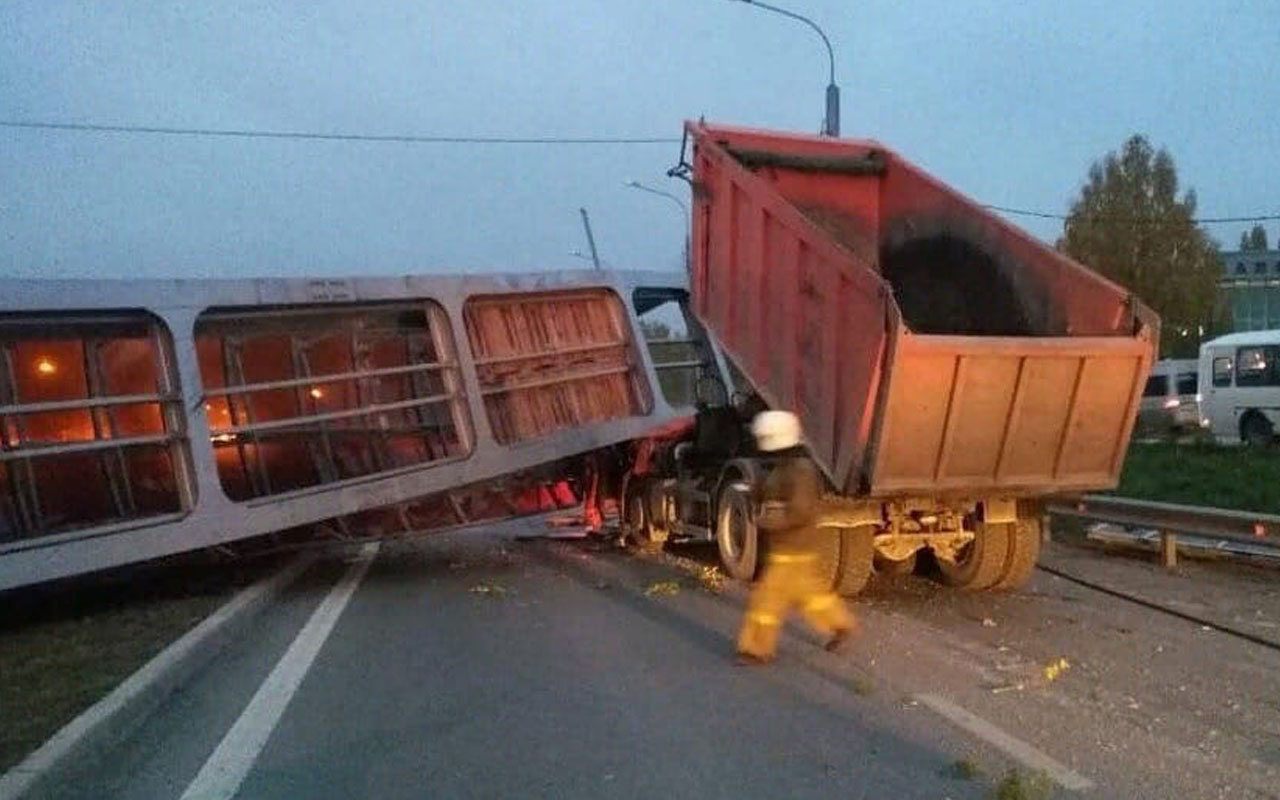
(928, 345)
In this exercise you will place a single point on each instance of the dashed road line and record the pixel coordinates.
(226, 769)
(1019, 750)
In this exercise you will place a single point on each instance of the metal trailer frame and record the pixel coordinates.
(208, 518)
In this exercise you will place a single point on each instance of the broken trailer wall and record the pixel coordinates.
(554, 361)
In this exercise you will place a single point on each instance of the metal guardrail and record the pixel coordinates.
(1221, 526)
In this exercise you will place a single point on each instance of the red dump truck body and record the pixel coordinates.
(929, 347)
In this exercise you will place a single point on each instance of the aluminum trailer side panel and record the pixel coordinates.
(136, 404)
(922, 340)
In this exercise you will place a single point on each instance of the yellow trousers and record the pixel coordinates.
(790, 581)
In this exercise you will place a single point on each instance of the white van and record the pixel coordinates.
(1240, 386)
(1171, 400)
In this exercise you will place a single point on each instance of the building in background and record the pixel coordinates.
(1251, 288)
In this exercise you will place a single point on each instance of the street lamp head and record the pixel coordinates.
(831, 122)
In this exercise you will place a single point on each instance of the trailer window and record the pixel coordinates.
(1188, 383)
(1223, 369)
(91, 425)
(1258, 366)
(302, 396)
(1157, 386)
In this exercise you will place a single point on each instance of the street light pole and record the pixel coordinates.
(685, 219)
(831, 123)
(684, 209)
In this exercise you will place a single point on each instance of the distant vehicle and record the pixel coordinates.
(1240, 380)
(1171, 400)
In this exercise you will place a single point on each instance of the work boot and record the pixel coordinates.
(751, 660)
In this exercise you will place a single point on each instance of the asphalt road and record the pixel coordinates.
(474, 665)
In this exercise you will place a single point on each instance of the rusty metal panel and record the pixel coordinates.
(1024, 416)
(979, 418)
(803, 317)
(552, 361)
(1031, 449)
(916, 419)
(828, 267)
(1101, 415)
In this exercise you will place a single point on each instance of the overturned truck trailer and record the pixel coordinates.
(949, 369)
(144, 418)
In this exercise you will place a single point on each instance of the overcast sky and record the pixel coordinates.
(1007, 100)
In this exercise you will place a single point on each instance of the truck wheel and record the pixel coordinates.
(634, 517)
(981, 563)
(888, 566)
(1256, 430)
(646, 529)
(827, 548)
(1024, 550)
(736, 535)
(857, 552)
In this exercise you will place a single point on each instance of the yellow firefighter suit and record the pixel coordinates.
(791, 577)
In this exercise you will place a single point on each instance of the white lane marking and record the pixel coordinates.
(222, 774)
(1018, 749)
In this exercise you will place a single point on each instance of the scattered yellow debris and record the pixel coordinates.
(712, 579)
(491, 589)
(1054, 669)
(663, 587)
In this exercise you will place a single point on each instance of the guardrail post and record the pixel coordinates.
(1168, 549)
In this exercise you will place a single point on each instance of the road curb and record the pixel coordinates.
(142, 692)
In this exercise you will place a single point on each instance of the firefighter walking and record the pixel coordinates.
(787, 520)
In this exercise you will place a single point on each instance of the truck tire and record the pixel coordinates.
(857, 553)
(1256, 430)
(828, 551)
(903, 566)
(981, 563)
(736, 534)
(646, 531)
(634, 517)
(1024, 551)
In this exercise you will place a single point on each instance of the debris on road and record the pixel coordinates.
(712, 579)
(489, 589)
(1054, 669)
(663, 588)
(962, 769)
(988, 622)
(1018, 785)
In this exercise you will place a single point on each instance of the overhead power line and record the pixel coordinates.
(236, 133)
(231, 133)
(1153, 220)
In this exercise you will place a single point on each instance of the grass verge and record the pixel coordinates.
(1203, 475)
(65, 646)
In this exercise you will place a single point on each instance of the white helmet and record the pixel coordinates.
(776, 430)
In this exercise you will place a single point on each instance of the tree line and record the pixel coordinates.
(1131, 223)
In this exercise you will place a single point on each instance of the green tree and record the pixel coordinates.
(654, 330)
(1254, 240)
(1130, 224)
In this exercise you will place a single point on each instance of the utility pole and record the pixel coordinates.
(591, 240)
